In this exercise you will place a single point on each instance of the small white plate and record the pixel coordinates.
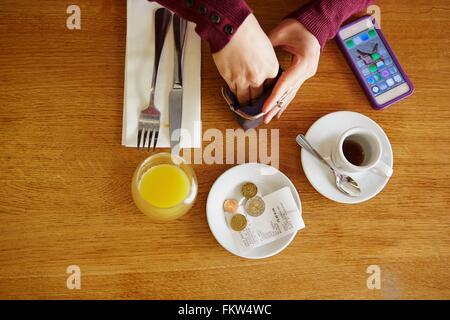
(322, 135)
(228, 185)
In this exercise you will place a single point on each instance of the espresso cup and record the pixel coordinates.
(359, 150)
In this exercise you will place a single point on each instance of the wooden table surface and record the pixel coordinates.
(65, 179)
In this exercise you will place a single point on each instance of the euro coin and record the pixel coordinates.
(231, 205)
(238, 222)
(255, 206)
(249, 190)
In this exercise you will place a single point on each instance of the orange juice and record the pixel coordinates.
(164, 186)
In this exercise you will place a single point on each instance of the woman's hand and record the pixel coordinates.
(294, 38)
(247, 61)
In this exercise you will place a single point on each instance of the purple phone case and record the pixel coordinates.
(361, 79)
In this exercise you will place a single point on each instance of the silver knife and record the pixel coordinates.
(176, 94)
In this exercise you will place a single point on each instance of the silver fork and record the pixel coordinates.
(149, 119)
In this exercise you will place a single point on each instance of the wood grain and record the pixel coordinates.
(65, 178)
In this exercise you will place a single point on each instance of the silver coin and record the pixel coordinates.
(255, 206)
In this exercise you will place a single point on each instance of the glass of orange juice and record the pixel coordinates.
(164, 187)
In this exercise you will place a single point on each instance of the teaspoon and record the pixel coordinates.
(344, 182)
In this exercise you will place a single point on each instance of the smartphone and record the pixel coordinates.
(373, 62)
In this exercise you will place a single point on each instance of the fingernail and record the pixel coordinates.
(268, 109)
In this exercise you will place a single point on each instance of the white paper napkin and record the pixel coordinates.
(138, 74)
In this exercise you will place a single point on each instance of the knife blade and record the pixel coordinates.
(176, 94)
(175, 118)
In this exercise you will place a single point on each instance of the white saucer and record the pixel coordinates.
(322, 135)
(268, 180)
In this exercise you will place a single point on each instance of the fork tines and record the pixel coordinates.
(147, 135)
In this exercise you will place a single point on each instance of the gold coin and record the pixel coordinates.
(231, 205)
(255, 206)
(249, 190)
(238, 222)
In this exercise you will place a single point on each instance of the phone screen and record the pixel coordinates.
(373, 61)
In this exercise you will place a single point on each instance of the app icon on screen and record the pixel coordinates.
(383, 86)
(390, 82)
(397, 78)
(350, 44)
(385, 73)
(357, 40)
(365, 72)
(364, 37)
(375, 89)
(372, 33)
(388, 61)
(376, 56)
(370, 80)
(393, 69)
(382, 51)
(367, 60)
(380, 64)
(377, 77)
(361, 63)
(373, 68)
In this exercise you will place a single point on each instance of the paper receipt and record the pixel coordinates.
(280, 218)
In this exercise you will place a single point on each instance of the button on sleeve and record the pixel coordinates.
(228, 29)
(203, 10)
(215, 18)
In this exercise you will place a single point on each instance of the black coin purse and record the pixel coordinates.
(249, 116)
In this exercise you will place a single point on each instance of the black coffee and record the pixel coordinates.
(353, 152)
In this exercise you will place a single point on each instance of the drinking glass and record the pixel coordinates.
(164, 213)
